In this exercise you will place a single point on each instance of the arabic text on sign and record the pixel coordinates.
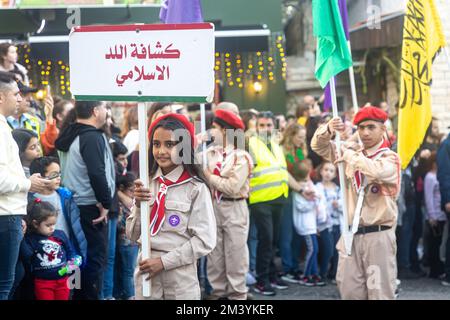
(142, 51)
(160, 73)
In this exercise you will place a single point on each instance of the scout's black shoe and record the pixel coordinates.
(264, 289)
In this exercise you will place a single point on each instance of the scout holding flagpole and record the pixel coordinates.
(332, 57)
(369, 175)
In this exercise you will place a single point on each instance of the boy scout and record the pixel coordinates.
(372, 173)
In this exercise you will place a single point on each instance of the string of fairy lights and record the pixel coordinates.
(234, 69)
(44, 72)
(231, 69)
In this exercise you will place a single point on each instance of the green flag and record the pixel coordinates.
(333, 55)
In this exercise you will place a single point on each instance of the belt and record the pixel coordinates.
(370, 229)
(232, 199)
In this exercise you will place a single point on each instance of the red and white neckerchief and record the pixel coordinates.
(359, 177)
(157, 215)
(217, 169)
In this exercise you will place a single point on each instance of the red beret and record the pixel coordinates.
(229, 118)
(178, 117)
(370, 113)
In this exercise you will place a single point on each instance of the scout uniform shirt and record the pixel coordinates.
(189, 229)
(383, 178)
(233, 181)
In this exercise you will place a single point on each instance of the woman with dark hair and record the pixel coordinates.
(8, 62)
(182, 224)
(29, 148)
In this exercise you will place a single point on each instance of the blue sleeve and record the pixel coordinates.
(443, 174)
(26, 250)
(92, 149)
(68, 247)
(79, 239)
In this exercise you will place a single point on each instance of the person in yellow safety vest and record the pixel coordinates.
(22, 119)
(269, 187)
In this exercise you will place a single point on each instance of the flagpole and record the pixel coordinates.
(340, 165)
(143, 176)
(203, 130)
(351, 74)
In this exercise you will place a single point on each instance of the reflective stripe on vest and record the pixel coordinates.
(268, 185)
(268, 170)
(269, 177)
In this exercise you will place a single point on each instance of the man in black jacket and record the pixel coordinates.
(443, 176)
(87, 168)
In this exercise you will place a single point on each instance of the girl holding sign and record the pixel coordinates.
(182, 223)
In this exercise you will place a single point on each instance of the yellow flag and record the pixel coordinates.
(422, 39)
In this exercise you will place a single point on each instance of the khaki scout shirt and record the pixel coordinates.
(233, 181)
(383, 178)
(189, 229)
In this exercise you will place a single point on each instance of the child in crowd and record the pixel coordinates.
(120, 157)
(127, 250)
(435, 217)
(29, 147)
(330, 229)
(182, 223)
(61, 199)
(308, 212)
(47, 252)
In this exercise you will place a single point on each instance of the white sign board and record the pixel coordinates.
(159, 62)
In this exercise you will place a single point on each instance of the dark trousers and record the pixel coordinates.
(325, 241)
(447, 251)
(434, 236)
(417, 233)
(405, 236)
(290, 241)
(97, 243)
(10, 239)
(267, 216)
(335, 235)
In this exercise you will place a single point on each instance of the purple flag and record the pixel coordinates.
(344, 17)
(181, 11)
(327, 99)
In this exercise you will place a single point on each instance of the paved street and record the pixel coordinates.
(422, 289)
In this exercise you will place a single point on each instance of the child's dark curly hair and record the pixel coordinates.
(126, 181)
(38, 211)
